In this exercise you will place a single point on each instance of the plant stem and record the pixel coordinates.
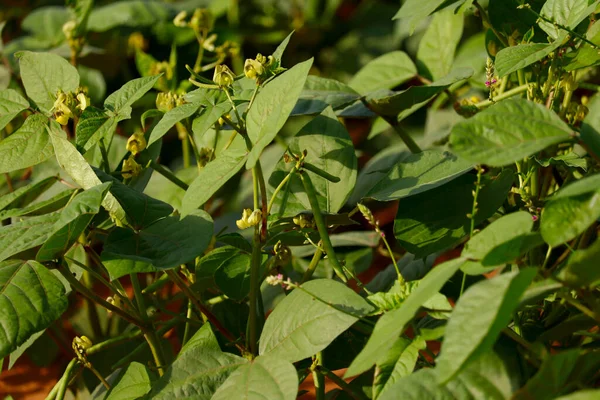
(473, 212)
(279, 187)
(389, 249)
(187, 332)
(168, 174)
(104, 153)
(254, 292)
(64, 381)
(509, 93)
(314, 262)
(341, 383)
(318, 378)
(321, 226)
(406, 138)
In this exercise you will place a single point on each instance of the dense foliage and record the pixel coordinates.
(211, 230)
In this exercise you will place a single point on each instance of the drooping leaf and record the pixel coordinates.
(74, 219)
(11, 104)
(272, 107)
(470, 331)
(44, 75)
(31, 298)
(514, 58)
(264, 377)
(384, 72)
(438, 45)
(211, 178)
(170, 118)
(390, 325)
(39, 208)
(418, 173)
(582, 268)
(507, 132)
(301, 325)
(329, 148)
(134, 383)
(29, 145)
(119, 103)
(26, 194)
(200, 368)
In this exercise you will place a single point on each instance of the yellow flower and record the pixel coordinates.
(130, 168)
(179, 20)
(249, 218)
(223, 76)
(253, 69)
(136, 143)
(84, 101)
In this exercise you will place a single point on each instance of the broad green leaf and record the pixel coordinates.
(211, 262)
(46, 23)
(507, 132)
(119, 103)
(390, 325)
(414, 11)
(487, 378)
(39, 208)
(384, 72)
(26, 234)
(93, 126)
(582, 268)
(272, 106)
(11, 104)
(588, 394)
(514, 58)
(438, 45)
(263, 378)
(418, 173)
(404, 103)
(26, 194)
(166, 244)
(200, 368)
(319, 93)
(74, 219)
(77, 167)
(590, 127)
(329, 148)
(437, 219)
(472, 331)
(501, 241)
(44, 75)
(170, 118)
(233, 274)
(400, 361)
(568, 13)
(310, 318)
(209, 115)
(132, 13)
(134, 383)
(29, 145)
(211, 178)
(31, 298)
(141, 210)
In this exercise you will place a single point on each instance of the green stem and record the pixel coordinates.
(105, 163)
(200, 37)
(99, 376)
(237, 115)
(251, 100)
(406, 138)
(473, 213)
(187, 332)
(64, 381)
(314, 262)
(254, 292)
(389, 249)
(318, 378)
(321, 226)
(509, 93)
(341, 383)
(185, 148)
(279, 187)
(168, 174)
(100, 278)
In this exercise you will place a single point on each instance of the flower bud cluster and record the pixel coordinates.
(223, 76)
(80, 345)
(168, 101)
(249, 218)
(136, 143)
(66, 103)
(130, 168)
(200, 21)
(261, 68)
(304, 221)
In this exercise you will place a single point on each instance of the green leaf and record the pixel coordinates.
(390, 325)
(590, 127)
(94, 81)
(438, 45)
(210, 115)
(278, 53)
(211, 178)
(134, 383)
(569, 13)
(582, 267)
(310, 318)
(570, 159)
(200, 368)
(514, 58)
(39, 208)
(26, 194)
(399, 362)
(208, 265)
(588, 394)
(501, 241)
(272, 106)
(31, 298)
(43, 75)
(26, 234)
(29, 145)
(141, 210)
(508, 132)
(132, 13)
(166, 244)
(404, 103)
(74, 219)
(329, 147)
(233, 274)
(319, 93)
(263, 378)
(418, 173)
(46, 23)
(119, 103)
(472, 331)
(414, 11)
(11, 104)
(436, 220)
(170, 118)
(93, 126)
(384, 72)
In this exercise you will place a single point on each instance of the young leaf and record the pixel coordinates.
(44, 75)
(272, 107)
(29, 145)
(31, 298)
(263, 378)
(472, 331)
(438, 45)
(119, 103)
(302, 325)
(170, 118)
(418, 173)
(198, 371)
(391, 324)
(507, 132)
(11, 104)
(384, 72)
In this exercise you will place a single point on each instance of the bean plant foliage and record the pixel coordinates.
(240, 271)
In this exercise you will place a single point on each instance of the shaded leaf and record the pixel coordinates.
(94, 125)
(29, 145)
(26, 234)
(233, 274)
(11, 104)
(134, 383)
(384, 72)
(582, 269)
(320, 93)
(514, 58)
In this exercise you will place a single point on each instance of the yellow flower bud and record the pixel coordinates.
(136, 143)
(166, 101)
(62, 119)
(130, 168)
(243, 222)
(179, 20)
(253, 69)
(84, 101)
(68, 29)
(255, 218)
(202, 20)
(136, 41)
(223, 76)
(83, 342)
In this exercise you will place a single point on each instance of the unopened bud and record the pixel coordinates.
(136, 143)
